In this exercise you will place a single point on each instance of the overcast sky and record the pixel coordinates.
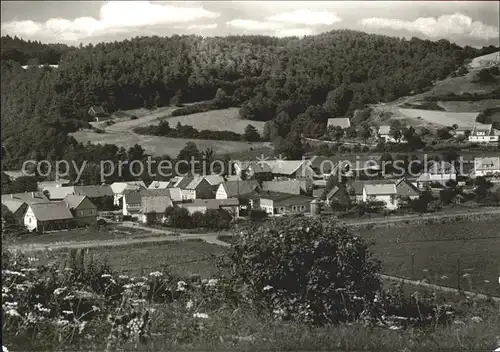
(474, 23)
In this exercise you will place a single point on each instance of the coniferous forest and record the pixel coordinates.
(295, 84)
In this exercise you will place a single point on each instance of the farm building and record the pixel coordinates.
(487, 166)
(253, 169)
(281, 203)
(342, 122)
(48, 216)
(338, 195)
(231, 205)
(153, 208)
(483, 134)
(98, 113)
(27, 197)
(385, 193)
(291, 168)
(16, 208)
(236, 189)
(119, 188)
(83, 210)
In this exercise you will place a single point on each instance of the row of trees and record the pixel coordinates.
(163, 129)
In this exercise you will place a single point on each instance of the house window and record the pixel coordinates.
(302, 207)
(294, 208)
(282, 209)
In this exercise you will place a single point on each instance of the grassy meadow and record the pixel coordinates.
(437, 248)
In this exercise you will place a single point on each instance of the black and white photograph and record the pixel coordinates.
(250, 176)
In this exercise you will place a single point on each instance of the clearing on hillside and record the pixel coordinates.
(216, 120)
(485, 60)
(159, 146)
(445, 118)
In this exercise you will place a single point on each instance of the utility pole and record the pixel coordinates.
(458, 274)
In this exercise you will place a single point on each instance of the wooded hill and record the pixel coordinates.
(279, 79)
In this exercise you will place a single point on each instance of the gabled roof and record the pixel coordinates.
(384, 130)
(74, 201)
(287, 167)
(28, 197)
(159, 184)
(487, 164)
(342, 122)
(283, 186)
(406, 188)
(184, 182)
(235, 188)
(284, 198)
(214, 180)
(51, 211)
(332, 192)
(94, 191)
(212, 203)
(155, 204)
(195, 182)
(13, 174)
(56, 192)
(132, 197)
(13, 204)
(175, 194)
(59, 183)
(484, 128)
(120, 187)
(256, 166)
(97, 109)
(357, 185)
(380, 189)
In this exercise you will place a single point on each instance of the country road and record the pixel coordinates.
(212, 237)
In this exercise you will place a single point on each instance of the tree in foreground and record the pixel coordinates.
(308, 270)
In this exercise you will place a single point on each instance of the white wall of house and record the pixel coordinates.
(188, 194)
(390, 201)
(483, 138)
(482, 172)
(221, 192)
(30, 220)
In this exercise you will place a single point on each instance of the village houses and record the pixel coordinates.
(483, 133)
(488, 166)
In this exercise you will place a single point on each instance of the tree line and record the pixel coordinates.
(294, 84)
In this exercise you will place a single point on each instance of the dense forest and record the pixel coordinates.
(295, 84)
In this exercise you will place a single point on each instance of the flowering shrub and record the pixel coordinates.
(302, 269)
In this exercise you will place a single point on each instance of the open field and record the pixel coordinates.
(185, 257)
(437, 249)
(158, 146)
(445, 118)
(484, 61)
(123, 122)
(469, 106)
(216, 120)
(76, 235)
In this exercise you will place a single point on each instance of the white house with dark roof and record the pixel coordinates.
(489, 166)
(48, 216)
(483, 133)
(385, 192)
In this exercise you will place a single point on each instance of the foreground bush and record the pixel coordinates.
(72, 303)
(304, 270)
